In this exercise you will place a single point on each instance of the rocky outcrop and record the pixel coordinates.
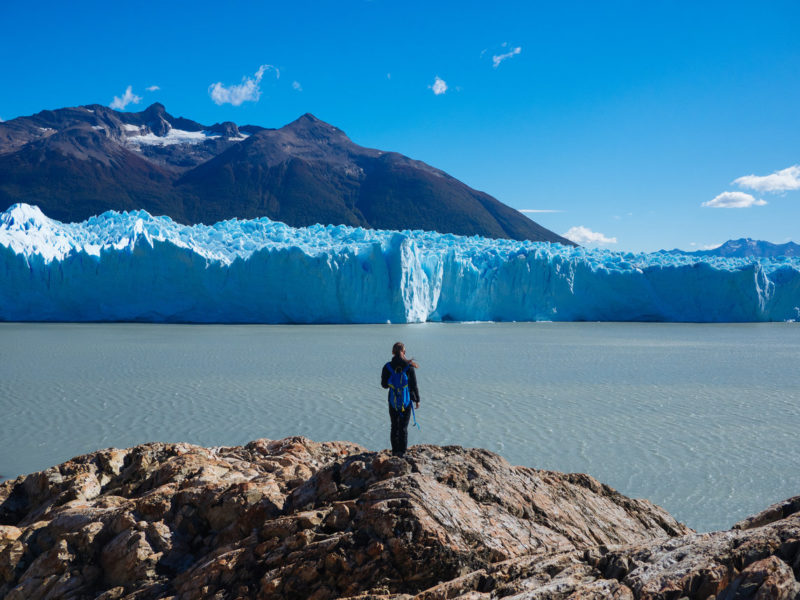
(298, 519)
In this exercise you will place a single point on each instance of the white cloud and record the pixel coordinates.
(733, 200)
(584, 235)
(498, 58)
(439, 86)
(539, 210)
(296, 86)
(704, 246)
(247, 91)
(153, 88)
(780, 181)
(119, 103)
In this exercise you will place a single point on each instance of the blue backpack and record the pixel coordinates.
(398, 390)
(398, 387)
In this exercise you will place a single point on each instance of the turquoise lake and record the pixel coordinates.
(700, 419)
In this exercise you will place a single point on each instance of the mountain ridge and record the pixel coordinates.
(744, 248)
(81, 161)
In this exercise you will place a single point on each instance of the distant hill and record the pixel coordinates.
(77, 162)
(744, 247)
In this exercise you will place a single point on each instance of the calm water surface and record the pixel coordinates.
(701, 419)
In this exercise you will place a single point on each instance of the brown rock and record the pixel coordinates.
(766, 579)
(8, 533)
(113, 594)
(773, 513)
(128, 559)
(11, 558)
(339, 516)
(291, 519)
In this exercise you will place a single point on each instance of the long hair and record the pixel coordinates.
(398, 349)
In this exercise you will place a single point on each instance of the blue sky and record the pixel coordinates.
(639, 122)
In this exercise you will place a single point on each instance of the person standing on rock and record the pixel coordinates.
(402, 392)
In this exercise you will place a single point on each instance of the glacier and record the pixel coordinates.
(133, 266)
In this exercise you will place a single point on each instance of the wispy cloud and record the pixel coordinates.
(120, 102)
(780, 181)
(296, 86)
(498, 58)
(153, 88)
(439, 86)
(733, 200)
(583, 235)
(247, 91)
(539, 210)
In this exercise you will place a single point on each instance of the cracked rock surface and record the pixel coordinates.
(294, 518)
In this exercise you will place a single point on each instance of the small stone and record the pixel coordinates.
(114, 593)
(300, 539)
(309, 520)
(8, 533)
(338, 517)
(123, 522)
(307, 573)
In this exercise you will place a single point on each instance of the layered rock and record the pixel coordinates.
(299, 519)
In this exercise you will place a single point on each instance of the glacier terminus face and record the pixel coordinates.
(132, 266)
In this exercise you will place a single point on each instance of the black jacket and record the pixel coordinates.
(413, 391)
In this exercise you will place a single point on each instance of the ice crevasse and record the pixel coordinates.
(132, 266)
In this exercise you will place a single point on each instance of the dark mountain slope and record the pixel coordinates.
(301, 174)
(79, 172)
(309, 172)
(429, 199)
(77, 162)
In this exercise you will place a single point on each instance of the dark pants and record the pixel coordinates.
(399, 433)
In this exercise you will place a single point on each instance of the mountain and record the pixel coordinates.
(745, 247)
(77, 162)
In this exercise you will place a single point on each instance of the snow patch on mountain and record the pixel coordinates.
(174, 136)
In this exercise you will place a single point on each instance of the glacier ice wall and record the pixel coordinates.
(136, 267)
